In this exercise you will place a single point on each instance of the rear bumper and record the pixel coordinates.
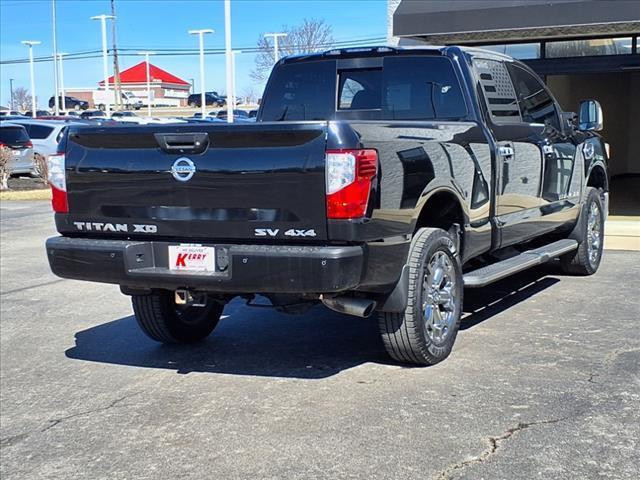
(239, 268)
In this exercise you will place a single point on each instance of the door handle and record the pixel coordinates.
(505, 151)
(183, 142)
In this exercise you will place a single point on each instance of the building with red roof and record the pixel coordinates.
(167, 89)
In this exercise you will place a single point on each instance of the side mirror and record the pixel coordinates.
(590, 117)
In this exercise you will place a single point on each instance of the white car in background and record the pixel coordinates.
(45, 134)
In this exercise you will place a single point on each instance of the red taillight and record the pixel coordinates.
(28, 145)
(349, 176)
(59, 200)
(58, 182)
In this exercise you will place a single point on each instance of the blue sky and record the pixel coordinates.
(149, 24)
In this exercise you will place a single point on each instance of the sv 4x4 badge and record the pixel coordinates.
(273, 232)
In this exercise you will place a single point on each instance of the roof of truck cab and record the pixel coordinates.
(381, 50)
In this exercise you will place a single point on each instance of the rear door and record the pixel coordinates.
(518, 153)
(243, 181)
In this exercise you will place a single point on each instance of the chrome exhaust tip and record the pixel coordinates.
(359, 307)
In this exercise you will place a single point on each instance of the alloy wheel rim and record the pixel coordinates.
(439, 299)
(594, 238)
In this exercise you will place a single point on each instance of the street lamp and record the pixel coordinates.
(103, 23)
(56, 105)
(228, 57)
(233, 77)
(201, 33)
(11, 107)
(64, 99)
(146, 59)
(30, 44)
(275, 42)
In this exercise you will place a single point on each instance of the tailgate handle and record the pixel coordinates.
(183, 142)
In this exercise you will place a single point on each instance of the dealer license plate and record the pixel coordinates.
(192, 258)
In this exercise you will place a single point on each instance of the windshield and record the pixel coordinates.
(13, 135)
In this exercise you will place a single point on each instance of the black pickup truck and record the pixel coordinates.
(374, 180)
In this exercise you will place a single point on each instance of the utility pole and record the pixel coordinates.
(146, 57)
(201, 33)
(11, 107)
(228, 57)
(30, 44)
(56, 100)
(191, 80)
(64, 98)
(275, 43)
(103, 23)
(116, 64)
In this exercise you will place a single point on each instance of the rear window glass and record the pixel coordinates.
(12, 135)
(301, 91)
(39, 132)
(406, 88)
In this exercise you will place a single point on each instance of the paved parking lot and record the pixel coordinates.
(544, 382)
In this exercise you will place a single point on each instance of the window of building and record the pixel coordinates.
(521, 51)
(589, 47)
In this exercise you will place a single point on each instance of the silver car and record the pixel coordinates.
(45, 134)
(15, 138)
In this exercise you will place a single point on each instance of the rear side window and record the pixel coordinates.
(301, 91)
(12, 135)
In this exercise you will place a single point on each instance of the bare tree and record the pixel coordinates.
(6, 155)
(250, 94)
(311, 36)
(21, 98)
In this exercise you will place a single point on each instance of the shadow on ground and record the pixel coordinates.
(263, 342)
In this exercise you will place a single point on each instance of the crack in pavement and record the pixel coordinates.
(494, 445)
(15, 439)
(114, 403)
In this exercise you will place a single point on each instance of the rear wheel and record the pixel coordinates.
(161, 319)
(425, 332)
(586, 259)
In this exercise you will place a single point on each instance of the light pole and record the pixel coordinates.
(191, 81)
(228, 57)
(233, 77)
(275, 42)
(201, 33)
(64, 99)
(56, 104)
(146, 59)
(30, 44)
(103, 23)
(11, 107)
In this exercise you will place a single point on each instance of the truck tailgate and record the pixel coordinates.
(263, 181)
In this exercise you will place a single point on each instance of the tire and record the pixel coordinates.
(193, 104)
(586, 259)
(414, 336)
(162, 320)
(101, 107)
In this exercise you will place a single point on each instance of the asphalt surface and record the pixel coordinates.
(544, 382)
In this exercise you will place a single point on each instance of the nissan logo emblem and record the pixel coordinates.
(183, 169)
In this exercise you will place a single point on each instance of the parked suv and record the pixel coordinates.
(44, 134)
(375, 179)
(15, 138)
(211, 98)
(70, 103)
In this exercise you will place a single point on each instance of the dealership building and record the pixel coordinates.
(581, 48)
(166, 88)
